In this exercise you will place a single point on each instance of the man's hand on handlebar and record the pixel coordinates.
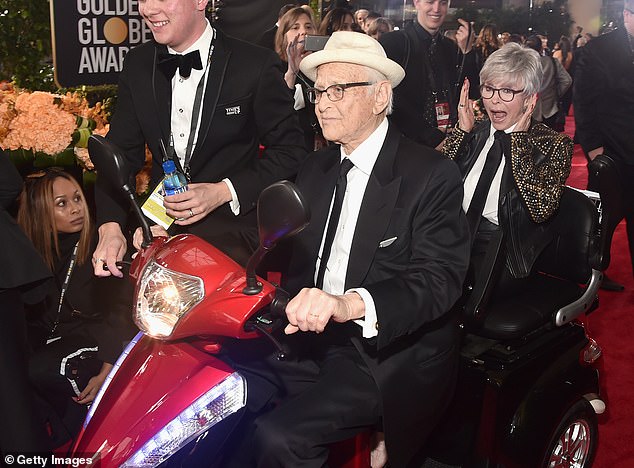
(312, 309)
(110, 249)
(157, 231)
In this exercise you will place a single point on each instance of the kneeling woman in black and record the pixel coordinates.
(80, 329)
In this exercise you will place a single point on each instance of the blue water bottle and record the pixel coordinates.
(174, 181)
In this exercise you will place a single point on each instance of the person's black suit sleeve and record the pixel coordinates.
(278, 131)
(10, 181)
(429, 284)
(23, 265)
(588, 89)
(589, 85)
(127, 134)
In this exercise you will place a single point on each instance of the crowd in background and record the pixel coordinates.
(556, 95)
(54, 216)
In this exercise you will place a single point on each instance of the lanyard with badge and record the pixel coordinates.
(62, 294)
(196, 113)
(441, 106)
(153, 207)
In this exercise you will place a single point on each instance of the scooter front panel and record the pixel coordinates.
(155, 383)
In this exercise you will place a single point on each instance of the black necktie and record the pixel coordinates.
(494, 157)
(340, 191)
(168, 63)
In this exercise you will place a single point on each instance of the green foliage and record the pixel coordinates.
(25, 51)
(314, 4)
(25, 44)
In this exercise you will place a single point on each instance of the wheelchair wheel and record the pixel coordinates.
(574, 442)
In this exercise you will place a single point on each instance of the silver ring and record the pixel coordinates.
(191, 213)
(103, 260)
(460, 105)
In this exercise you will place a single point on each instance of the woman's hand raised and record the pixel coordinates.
(524, 122)
(466, 116)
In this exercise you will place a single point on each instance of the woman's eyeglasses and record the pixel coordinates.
(505, 94)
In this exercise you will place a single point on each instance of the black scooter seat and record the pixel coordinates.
(516, 316)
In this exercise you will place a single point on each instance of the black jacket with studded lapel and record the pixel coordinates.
(532, 184)
(246, 104)
(414, 196)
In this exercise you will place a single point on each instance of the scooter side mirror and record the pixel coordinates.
(282, 213)
(113, 167)
(109, 162)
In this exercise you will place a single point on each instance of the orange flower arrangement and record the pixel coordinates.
(53, 128)
(48, 123)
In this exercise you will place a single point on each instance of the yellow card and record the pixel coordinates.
(153, 208)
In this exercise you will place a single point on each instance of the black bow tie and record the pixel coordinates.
(168, 63)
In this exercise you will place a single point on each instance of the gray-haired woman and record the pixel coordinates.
(514, 168)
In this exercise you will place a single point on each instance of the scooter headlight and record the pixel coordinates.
(218, 403)
(164, 297)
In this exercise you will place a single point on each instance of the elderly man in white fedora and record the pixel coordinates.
(373, 277)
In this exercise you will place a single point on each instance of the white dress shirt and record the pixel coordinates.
(183, 96)
(490, 210)
(363, 158)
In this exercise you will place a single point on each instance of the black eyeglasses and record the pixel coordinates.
(506, 94)
(334, 92)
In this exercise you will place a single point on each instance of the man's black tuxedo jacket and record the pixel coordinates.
(415, 196)
(604, 96)
(406, 48)
(246, 104)
(268, 38)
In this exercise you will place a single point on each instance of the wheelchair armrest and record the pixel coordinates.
(603, 177)
(573, 310)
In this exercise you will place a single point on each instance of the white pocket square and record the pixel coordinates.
(387, 242)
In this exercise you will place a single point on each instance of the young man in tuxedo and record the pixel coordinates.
(425, 102)
(604, 106)
(210, 101)
(373, 277)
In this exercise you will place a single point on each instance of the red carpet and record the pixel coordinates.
(612, 326)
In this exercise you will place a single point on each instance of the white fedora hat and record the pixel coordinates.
(356, 48)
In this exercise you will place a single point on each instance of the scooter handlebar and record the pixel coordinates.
(279, 303)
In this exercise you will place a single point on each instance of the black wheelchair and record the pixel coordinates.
(528, 388)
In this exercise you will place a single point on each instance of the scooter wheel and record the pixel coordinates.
(574, 442)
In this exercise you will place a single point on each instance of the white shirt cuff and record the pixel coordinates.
(369, 323)
(234, 204)
(299, 97)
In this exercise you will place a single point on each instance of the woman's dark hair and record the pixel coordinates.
(334, 20)
(37, 219)
(487, 41)
(565, 47)
(534, 42)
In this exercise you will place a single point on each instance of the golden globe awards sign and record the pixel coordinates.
(92, 37)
